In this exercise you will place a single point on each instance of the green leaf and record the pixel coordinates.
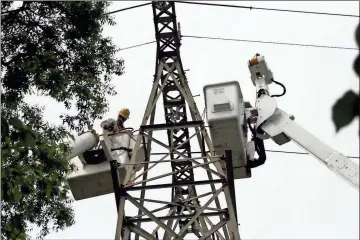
(17, 194)
(8, 227)
(357, 35)
(4, 127)
(32, 133)
(48, 191)
(345, 110)
(357, 65)
(17, 123)
(16, 232)
(29, 139)
(22, 236)
(357, 60)
(4, 153)
(54, 177)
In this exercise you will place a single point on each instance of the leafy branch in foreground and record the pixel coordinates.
(54, 49)
(347, 108)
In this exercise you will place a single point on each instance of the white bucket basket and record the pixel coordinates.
(92, 180)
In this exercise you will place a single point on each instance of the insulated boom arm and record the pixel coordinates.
(272, 122)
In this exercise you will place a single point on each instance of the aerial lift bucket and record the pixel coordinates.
(93, 177)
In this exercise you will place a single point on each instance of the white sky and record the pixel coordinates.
(291, 196)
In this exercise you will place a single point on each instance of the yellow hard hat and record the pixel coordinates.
(124, 113)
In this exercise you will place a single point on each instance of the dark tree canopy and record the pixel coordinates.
(55, 49)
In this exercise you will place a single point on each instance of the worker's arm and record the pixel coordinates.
(120, 123)
(108, 124)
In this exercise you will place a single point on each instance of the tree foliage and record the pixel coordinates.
(347, 107)
(53, 49)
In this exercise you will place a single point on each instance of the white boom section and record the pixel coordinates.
(278, 125)
(93, 174)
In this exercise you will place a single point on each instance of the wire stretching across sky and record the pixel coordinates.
(243, 7)
(268, 9)
(250, 41)
(128, 8)
(270, 42)
(244, 40)
(268, 150)
(302, 153)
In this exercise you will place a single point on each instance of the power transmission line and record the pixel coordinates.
(251, 41)
(243, 40)
(270, 42)
(302, 153)
(244, 7)
(273, 151)
(138, 45)
(269, 9)
(128, 8)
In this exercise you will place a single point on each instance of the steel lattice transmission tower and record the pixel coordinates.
(189, 214)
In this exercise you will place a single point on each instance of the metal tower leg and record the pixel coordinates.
(189, 213)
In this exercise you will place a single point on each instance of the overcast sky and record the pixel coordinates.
(291, 196)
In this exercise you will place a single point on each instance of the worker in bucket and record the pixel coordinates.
(116, 125)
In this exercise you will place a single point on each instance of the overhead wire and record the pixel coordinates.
(137, 45)
(244, 7)
(128, 8)
(252, 41)
(244, 40)
(270, 42)
(302, 153)
(268, 150)
(268, 9)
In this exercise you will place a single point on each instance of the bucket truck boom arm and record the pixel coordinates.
(272, 122)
